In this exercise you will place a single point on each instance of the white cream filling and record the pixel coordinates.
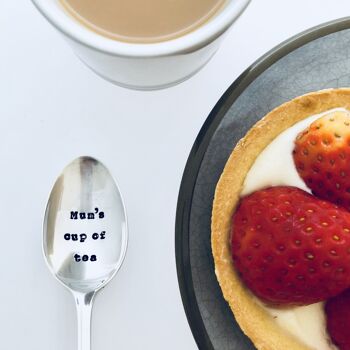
(275, 167)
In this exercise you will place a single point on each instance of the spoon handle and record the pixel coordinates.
(84, 307)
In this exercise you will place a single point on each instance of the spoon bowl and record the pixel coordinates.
(85, 234)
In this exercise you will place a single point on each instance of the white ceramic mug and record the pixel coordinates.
(143, 66)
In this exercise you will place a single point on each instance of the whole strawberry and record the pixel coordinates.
(338, 319)
(322, 157)
(290, 247)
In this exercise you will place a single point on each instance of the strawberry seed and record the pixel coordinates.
(309, 256)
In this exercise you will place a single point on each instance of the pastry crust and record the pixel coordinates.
(255, 322)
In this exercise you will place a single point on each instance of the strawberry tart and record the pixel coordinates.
(281, 226)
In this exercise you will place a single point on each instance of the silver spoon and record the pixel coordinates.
(85, 234)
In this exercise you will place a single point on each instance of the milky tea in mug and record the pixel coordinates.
(143, 21)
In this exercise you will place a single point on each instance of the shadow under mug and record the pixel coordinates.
(143, 66)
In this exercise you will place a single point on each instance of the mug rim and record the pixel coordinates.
(189, 42)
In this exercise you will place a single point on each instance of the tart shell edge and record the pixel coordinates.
(255, 322)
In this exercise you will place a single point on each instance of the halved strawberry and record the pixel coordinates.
(290, 247)
(322, 157)
(338, 319)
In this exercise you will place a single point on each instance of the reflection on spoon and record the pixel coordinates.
(85, 234)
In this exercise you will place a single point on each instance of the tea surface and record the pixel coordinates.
(142, 20)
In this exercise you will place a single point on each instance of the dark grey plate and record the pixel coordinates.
(314, 60)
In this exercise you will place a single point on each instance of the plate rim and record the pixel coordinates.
(196, 155)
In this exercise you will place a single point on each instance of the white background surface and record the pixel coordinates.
(53, 109)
